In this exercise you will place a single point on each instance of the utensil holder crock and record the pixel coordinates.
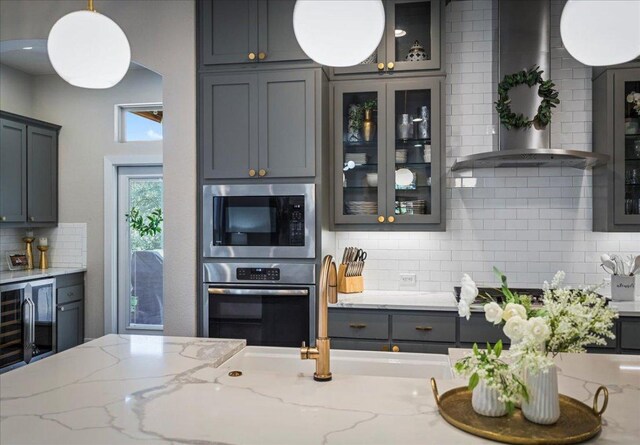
(623, 287)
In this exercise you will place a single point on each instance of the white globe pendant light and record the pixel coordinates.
(88, 49)
(338, 32)
(601, 32)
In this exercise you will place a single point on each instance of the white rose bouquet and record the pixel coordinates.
(567, 321)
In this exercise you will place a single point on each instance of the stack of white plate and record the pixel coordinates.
(401, 156)
(357, 158)
(361, 207)
(411, 207)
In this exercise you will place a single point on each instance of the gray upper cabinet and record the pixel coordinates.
(229, 125)
(42, 175)
(276, 39)
(616, 133)
(388, 155)
(411, 40)
(28, 171)
(13, 171)
(287, 124)
(258, 125)
(247, 31)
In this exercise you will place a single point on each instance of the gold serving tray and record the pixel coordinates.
(577, 422)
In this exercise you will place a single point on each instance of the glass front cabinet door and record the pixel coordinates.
(411, 39)
(627, 155)
(388, 155)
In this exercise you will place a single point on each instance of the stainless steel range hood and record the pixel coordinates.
(523, 28)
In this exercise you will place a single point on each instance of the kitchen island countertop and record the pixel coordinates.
(143, 389)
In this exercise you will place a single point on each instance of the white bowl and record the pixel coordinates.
(372, 179)
(404, 177)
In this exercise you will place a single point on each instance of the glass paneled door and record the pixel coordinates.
(359, 168)
(414, 150)
(627, 150)
(140, 250)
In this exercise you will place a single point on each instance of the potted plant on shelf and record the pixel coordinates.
(567, 321)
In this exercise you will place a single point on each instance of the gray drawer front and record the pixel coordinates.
(359, 345)
(478, 330)
(70, 293)
(424, 327)
(424, 347)
(69, 280)
(359, 325)
(630, 334)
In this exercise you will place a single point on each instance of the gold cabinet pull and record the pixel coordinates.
(391, 219)
(357, 325)
(262, 172)
(396, 348)
(262, 55)
(424, 328)
(380, 219)
(252, 56)
(252, 173)
(381, 66)
(390, 65)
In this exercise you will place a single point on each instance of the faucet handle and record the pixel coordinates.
(304, 351)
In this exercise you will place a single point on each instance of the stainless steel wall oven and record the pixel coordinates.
(268, 304)
(259, 221)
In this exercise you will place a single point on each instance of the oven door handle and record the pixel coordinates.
(267, 292)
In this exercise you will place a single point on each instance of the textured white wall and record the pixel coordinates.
(529, 222)
(162, 38)
(15, 91)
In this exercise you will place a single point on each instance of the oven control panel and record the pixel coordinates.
(258, 274)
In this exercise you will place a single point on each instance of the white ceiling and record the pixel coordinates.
(34, 61)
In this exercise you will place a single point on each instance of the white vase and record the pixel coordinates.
(543, 406)
(485, 402)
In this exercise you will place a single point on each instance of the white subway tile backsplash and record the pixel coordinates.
(67, 244)
(530, 222)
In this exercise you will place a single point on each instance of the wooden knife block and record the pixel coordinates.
(349, 285)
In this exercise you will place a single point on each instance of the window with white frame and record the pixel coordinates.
(139, 122)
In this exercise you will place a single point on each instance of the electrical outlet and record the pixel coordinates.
(408, 279)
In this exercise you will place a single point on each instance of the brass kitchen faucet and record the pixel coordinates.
(321, 352)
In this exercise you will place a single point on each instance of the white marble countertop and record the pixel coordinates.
(410, 300)
(14, 276)
(153, 390)
(435, 301)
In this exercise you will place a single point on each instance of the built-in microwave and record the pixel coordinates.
(259, 221)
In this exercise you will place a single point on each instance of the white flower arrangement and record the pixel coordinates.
(634, 98)
(567, 321)
(487, 366)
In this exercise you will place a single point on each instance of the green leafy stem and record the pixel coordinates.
(149, 225)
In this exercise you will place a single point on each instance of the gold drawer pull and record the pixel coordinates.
(262, 172)
(424, 328)
(262, 55)
(252, 56)
(381, 66)
(395, 349)
(252, 173)
(390, 65)
(380, 219)
(391, 219)
(357, 325)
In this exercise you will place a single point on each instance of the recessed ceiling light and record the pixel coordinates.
(28, 47)
(400, 32)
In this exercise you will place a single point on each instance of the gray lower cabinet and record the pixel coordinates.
(70, 311)
(247, 31)
(436, 331)
(70, 325)
(258, 125)
(13, 171)
(28, 171)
